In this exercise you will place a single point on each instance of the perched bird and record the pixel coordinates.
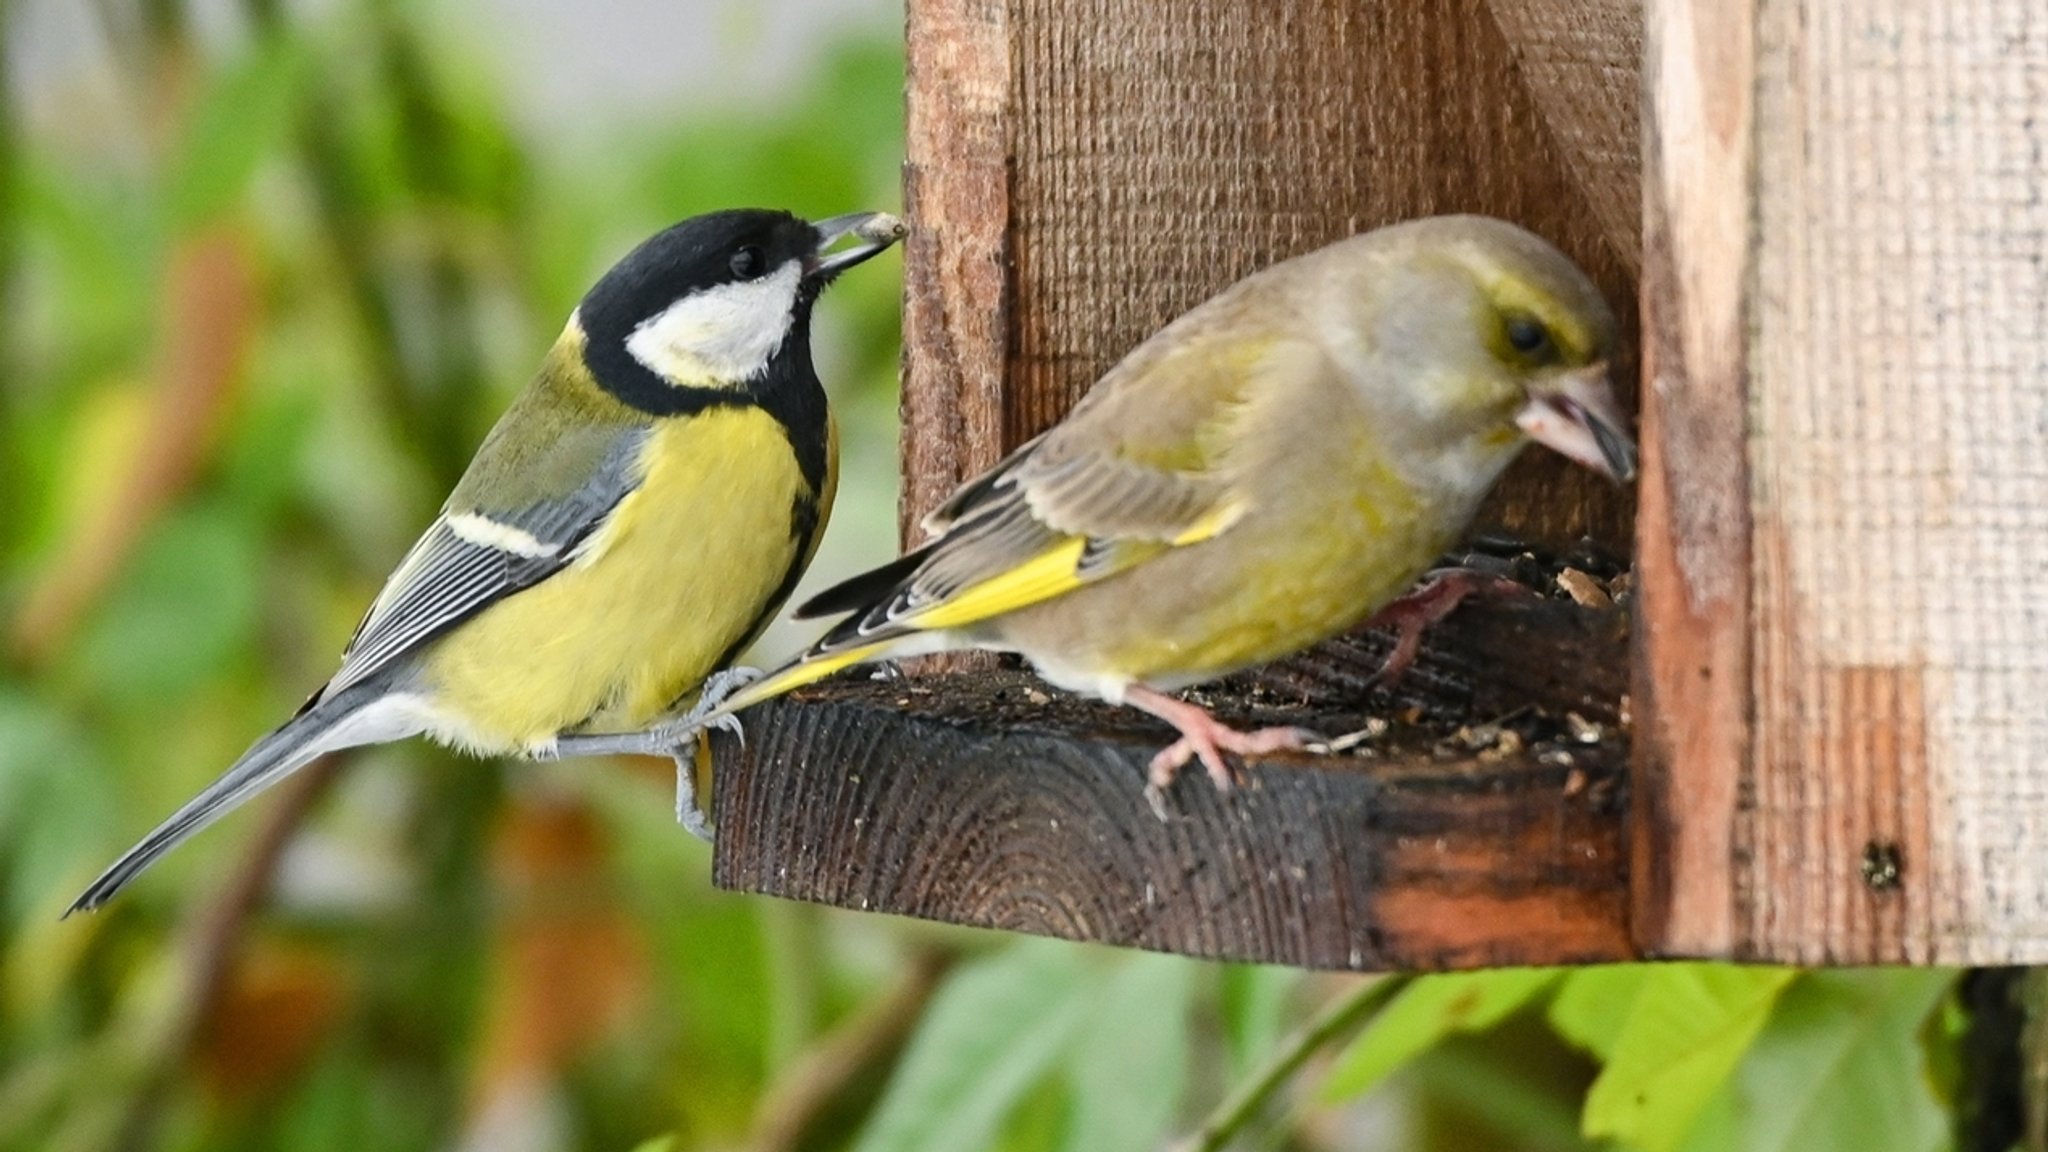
(1270, 469)
(625, 530)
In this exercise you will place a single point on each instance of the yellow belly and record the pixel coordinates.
(1303, 564)
(682, 574)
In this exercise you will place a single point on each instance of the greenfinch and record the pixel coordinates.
(625, 530)
(1269, 470)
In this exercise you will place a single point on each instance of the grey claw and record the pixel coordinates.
(1155, 797)
(732, 724)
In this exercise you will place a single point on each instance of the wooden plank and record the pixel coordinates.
(985, 799)
(956, 283)
(1692, 538)
(1901, 487)
(1891, 237)
(1128, 161)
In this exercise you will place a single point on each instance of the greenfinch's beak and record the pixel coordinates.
(872, 232)
(1574, 413)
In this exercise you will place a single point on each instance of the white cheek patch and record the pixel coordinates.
(721, 336)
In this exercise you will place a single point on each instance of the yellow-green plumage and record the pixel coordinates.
(630, 524)
(676, 581)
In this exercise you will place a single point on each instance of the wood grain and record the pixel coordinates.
(1900, 447)
(956, 282)
(1582, 61)
(1692, 538)
(1846, 516)
(1129, 161)
(984, 799)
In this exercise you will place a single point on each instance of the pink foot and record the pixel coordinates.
(1413, 612)
(1203, 737)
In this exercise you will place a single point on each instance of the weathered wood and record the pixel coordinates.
(1850, 382)
(1082, 171)
(1583, 63)
(956, 286)
(1692, 538)
(984, 798)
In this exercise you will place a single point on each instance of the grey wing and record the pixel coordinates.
(469, 559)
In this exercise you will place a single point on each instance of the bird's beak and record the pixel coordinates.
(872, 232)
(1575, 414)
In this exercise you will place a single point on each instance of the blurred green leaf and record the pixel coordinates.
(986, 1039)
(55, 793)
(186, 605)
(1487, 1086)
(1253, 1001)
(1593, 1004)
(1685, 1033)
(1425, 1012)
(240, 120)
(1839, 1066)
(262, 455)
(1128, 1066)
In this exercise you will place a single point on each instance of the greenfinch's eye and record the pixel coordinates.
(1528, 336)
(748, 263)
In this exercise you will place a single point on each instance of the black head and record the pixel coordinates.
(717, 300)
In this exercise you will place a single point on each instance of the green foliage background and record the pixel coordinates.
(243, 355)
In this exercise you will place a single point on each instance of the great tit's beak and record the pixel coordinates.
(872, 232)
(1574, 413)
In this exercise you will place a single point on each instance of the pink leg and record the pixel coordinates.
(1202, 736)
(1414, 611)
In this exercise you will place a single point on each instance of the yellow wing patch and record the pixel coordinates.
(793, 676)
(1041, 578)
(1212, 525)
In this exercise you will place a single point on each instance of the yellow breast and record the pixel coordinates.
(682, 574)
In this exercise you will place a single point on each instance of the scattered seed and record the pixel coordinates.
(1375, 727)
(1583, 589)
(1582, 730)
(1506, 743)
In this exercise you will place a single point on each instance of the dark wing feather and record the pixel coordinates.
(858, 592)
(450, 575)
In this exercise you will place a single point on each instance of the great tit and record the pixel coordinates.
(625, 530)
(1267, 471)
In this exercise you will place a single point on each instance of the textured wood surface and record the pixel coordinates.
(983, 798)
(1082, 171)
(956, 286)
(1582, 61)
(1692, 539)
(1884, 801)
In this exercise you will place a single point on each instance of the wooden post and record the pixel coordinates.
(1079, 173)
(1845, 517)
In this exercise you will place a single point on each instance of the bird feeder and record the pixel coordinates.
(1809, 733)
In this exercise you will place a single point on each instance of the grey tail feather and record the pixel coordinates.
(300, 741)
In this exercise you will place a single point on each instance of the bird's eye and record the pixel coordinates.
(1527, 335)
(748, 263)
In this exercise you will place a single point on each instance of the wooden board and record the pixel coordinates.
(1082, 171)
(1847, 299)
(985, 799)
